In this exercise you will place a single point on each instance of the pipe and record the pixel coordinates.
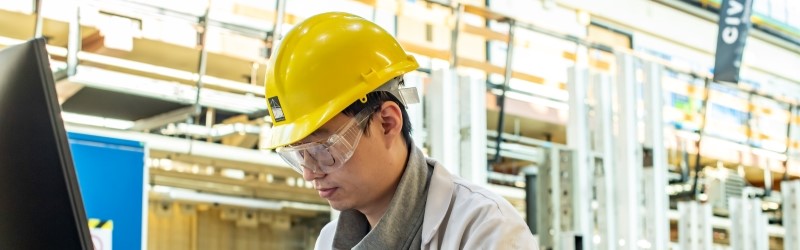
(37, 30)
(169, 144)
(201, 67)
(166, 193)
(74, 40)
(703, 110)
(459, 10)
(792, 113)
(502, 99)
(277, 28)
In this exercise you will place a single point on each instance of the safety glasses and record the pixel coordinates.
(328, 155)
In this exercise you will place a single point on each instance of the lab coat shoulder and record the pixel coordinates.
(325, 239)
(461, 215)
(471, 217)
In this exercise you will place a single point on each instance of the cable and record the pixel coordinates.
(703, 109)
(792, 114)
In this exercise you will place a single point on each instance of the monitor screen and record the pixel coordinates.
(40, 201)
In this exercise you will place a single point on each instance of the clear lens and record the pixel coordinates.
(331, 154)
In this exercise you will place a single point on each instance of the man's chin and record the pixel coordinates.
(336, 205)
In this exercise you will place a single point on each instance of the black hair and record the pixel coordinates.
(374, 102)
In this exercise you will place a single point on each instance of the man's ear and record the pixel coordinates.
(391, 119)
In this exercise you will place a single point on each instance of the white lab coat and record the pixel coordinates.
(462, 215)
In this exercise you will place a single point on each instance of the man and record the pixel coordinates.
(335, 95)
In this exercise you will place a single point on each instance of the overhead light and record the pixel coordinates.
(772, 205)
(96, 121)
(233, 173)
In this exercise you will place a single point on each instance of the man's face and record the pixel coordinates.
(363, 179)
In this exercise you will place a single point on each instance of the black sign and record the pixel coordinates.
(734, 24)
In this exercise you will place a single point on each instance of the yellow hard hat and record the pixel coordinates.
(323, 65)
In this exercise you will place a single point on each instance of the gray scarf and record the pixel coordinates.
(401, 225)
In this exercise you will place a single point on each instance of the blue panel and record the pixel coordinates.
(111, 177)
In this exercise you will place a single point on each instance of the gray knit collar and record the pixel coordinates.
(401, 225)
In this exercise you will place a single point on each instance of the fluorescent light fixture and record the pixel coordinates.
(96, 121)
(166, 164)
(233, 173)
(772, 205)
(270, 178)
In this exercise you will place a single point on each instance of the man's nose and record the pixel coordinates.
(311, 170)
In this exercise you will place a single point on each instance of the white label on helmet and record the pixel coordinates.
(277, 111)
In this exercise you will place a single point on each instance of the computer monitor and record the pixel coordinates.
(40, 201)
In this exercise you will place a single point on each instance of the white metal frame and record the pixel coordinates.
(472, 129)
(694, 226)
(628, 172)
(415, 111)
(442, 120)
(604, 181)
(748, 225)
(549, 196)
(656, 200)
(578, 139)
(790, 190)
